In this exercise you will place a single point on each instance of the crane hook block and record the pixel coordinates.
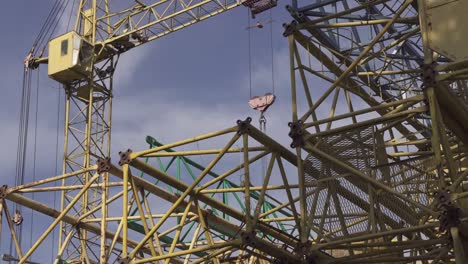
(259, 6)
(261, 103)
(17, 218)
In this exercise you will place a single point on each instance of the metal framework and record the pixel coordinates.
(382, 129)
(377, 173)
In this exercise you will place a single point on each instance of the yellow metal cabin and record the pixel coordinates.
(69, 57)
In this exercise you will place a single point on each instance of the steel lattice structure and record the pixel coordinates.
(375, 173)
(383, 132)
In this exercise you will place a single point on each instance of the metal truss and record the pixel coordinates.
(381, 131)
(118, 26)
(377, 173)
(191, 223)
(87, 138)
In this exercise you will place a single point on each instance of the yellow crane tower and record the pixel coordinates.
(83, 61)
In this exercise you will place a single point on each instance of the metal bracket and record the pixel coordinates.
(428, 75)
(304, 250)
(125, 157)
(103, 165)
(3, 191)
(296, 133)
(289, 28)
(259, 6)
(123, 260)
(450, 217)
(248, 238)
(244, 126)
(450, 214)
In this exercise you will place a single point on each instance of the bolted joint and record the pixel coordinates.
(123, 260)
(443, 198)
(311, 259)
(296, 133)
(243, 126)
(3, 191)
(450, 217)
(303, 249)
(124, 157)
(290, 28)
(104, 165)
(280, 261)
(429, 75)
(7, 257)
(248, 238)
(294, 12)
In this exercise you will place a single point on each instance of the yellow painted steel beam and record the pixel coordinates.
(142, 213)
(248, 211)
(53, 213)
(365, 178)
(191, 251)
(12, 229)
(184, 195)
(58, 219)
(353, 65)
(202, 152)
(378, 120)
(221, 225)
(349, 84)
(67, 188)
(414, 99)
(143, 153)
(230, 172)
(365, 237)
(52, 179)
(149, 170)
(406, 20)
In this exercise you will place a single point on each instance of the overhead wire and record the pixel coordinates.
(250, 53)
(47, 29)
(22, 144)
(34, 154)
(50, 25)
(56, 162)
(47, 22)
(272, 53)
(57, 20)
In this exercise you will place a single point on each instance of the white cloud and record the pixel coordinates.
(169, 121)
(129, 63)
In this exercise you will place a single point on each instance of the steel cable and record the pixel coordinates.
(46, 24)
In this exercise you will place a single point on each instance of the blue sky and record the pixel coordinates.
(191, 82)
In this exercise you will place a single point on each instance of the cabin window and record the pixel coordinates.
(64, 47)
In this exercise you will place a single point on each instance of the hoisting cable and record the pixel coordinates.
(262, 103)
(57, 21)
(250, 53)
(48, 28)
(21, 150)
(272, 53)
(46, 24)
(56, 165)
(262, 123)
(34, 156)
